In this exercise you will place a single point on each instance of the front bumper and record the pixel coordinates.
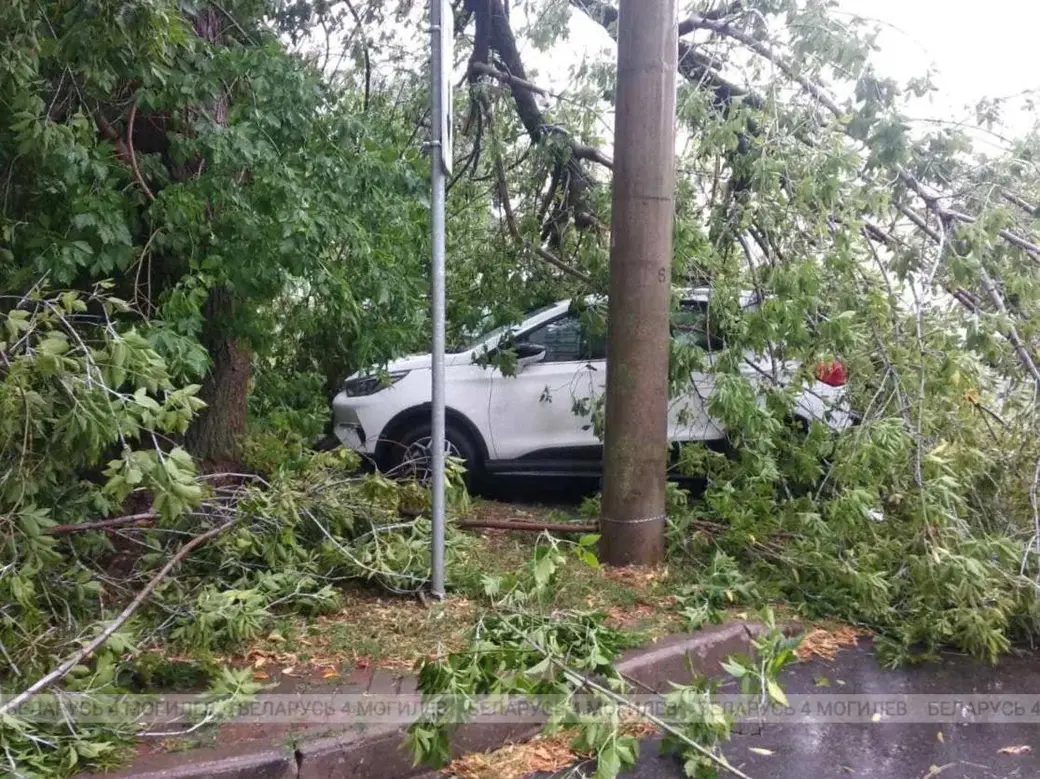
(352, 436)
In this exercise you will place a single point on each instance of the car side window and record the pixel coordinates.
(566, 340)
(692, 325)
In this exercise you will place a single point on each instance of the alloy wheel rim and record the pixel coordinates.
(418, 457)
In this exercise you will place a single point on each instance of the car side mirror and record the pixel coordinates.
(528, 354)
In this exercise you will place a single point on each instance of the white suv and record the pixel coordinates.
(525, 423)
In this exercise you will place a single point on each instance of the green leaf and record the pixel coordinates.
(776, 693)
(733, 668)
(589, 559)
(608, 762)
(544, 568)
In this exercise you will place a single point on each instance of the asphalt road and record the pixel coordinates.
(956, 745)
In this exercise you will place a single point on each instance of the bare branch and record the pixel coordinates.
(1021, 202)
(145, 518)
(551, 527)
(132, 155)
(1012, 333)
(514, 228)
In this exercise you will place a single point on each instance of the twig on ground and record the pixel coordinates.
(551, 527)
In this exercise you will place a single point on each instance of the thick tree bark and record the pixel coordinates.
(215, 437)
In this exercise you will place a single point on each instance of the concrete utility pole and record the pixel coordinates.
(636, 438)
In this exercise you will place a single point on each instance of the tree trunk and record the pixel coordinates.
(216, 435)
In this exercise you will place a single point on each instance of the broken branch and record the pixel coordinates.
(98, 641)
(506, 78)
(931, 201)
(130, 151)
(551, 527)
(514, 228)
(1012, 333)
(145, 518)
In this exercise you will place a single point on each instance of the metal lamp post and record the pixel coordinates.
(442, 38)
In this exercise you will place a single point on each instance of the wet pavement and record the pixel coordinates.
(952, 744)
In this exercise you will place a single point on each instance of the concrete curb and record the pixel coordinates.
(378, 753)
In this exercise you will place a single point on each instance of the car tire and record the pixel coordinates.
(406, 456)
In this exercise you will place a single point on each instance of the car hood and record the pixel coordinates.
(418, 362)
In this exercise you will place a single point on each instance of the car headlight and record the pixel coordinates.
(369, 385)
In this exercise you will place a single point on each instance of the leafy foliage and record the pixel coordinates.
(557, 659)
(90, 405)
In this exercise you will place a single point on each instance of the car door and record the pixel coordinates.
(532, 413)
(688, 416)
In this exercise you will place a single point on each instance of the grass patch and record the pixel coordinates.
(639, 600)
(374, 629)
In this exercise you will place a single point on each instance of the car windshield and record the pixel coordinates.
(497, 331)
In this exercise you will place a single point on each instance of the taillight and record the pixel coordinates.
(833, 374)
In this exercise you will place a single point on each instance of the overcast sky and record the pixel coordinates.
(980, 49)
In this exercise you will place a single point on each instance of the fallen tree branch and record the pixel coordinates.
(145, 518)
(962, 295)
(693, 64)
(715, 14)
(580, 150)
(550, 527)
(92, 646)
(715, 22)
(1012, 333)
(494, 34)
(930, 198)
(640, 711)
(552, 259)
(508, 79)
(722, 27)
(1021, 202)
(873, 232)
(931, 201)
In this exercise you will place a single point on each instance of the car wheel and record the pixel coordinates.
(412, 456)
